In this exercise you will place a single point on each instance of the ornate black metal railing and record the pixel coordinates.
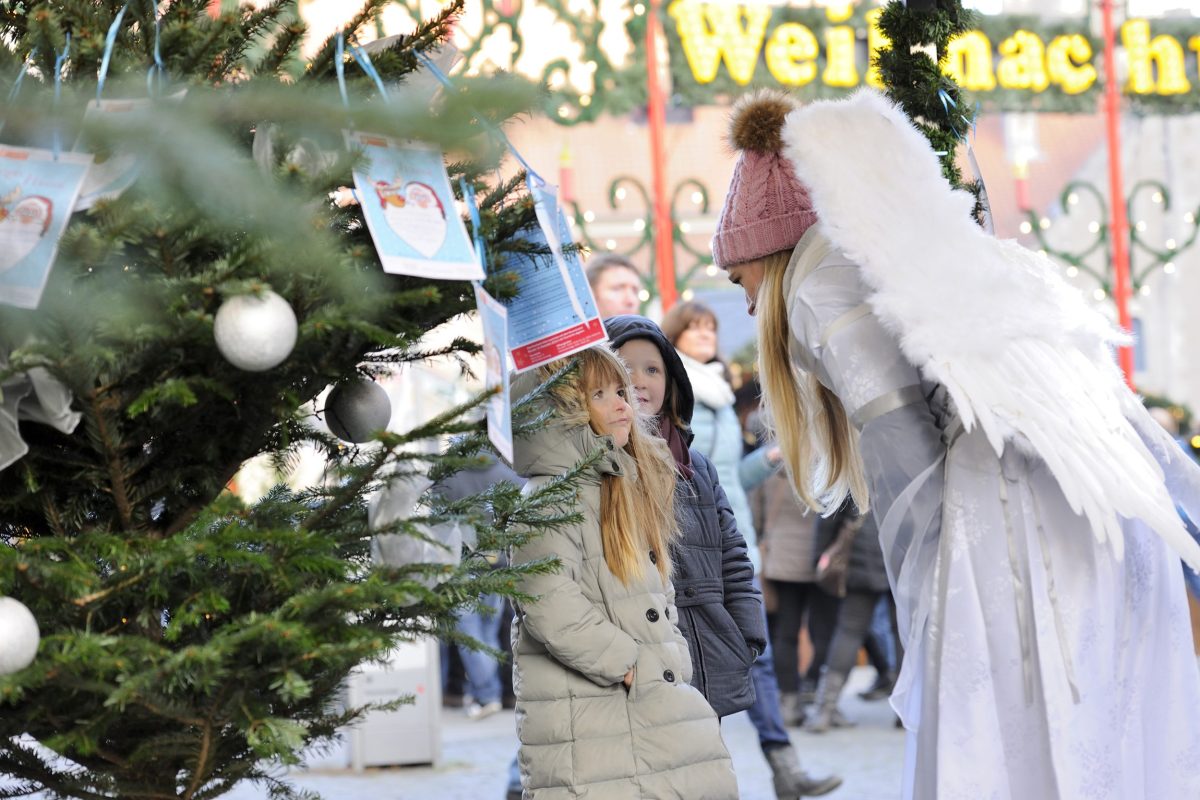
(631, 236)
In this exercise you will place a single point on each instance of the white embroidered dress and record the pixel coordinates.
(1038, 665)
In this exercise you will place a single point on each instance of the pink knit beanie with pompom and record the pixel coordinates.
(767, 209)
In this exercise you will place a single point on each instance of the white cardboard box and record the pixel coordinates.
(410, 734)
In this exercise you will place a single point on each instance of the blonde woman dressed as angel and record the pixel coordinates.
(1026, 502)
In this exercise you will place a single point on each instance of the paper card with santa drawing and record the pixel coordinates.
(406, 200)
(37, 192)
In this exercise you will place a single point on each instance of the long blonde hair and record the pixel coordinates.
(637, 513)
(809, 422)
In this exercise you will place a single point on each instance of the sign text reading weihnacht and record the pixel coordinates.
(595, 63)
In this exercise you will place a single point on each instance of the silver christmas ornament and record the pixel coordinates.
(19, 636)
(357, 409)
(255, 332)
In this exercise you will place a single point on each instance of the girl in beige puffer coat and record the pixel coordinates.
(604, 706)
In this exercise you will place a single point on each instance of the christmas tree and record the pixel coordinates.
(920, 32)
(190, 640)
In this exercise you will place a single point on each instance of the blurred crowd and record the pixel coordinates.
(823, 578)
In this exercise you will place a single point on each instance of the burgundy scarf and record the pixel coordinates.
(679, 448)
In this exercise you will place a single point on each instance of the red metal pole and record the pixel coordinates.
(656, 113)
(1022, 184)
(1120, 224)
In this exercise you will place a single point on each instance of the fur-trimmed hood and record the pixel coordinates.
(567, 438)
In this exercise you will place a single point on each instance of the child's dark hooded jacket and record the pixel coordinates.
(720, 610)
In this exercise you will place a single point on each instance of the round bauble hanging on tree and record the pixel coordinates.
(255, 332)
(19, 636)
(357, 409)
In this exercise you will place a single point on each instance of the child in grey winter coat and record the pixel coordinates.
(604, 704)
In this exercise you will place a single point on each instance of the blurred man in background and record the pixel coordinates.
(616, 284)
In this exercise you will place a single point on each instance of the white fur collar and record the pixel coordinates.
(708, 382)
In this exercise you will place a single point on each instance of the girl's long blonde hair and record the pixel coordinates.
(637, 513)
(809, 422)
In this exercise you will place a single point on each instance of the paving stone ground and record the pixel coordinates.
(475, 758)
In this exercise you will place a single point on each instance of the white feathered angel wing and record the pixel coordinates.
(1018, 349)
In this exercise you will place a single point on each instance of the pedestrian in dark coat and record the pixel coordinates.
(851, 540)
(720, 610)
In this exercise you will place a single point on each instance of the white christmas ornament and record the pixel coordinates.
(19, 636)
(357, 409)
(255, 332)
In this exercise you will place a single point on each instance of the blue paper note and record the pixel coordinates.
(554, 313)
(37, 194)
(495, 351)
(409, 208)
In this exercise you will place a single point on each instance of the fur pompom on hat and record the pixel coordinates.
(767, 209)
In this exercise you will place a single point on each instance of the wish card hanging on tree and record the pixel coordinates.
(554, 315)
(494, 317)
(406, 199)
(114, 168)
(38, 189)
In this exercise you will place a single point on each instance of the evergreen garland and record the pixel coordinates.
(913, 80)
(932, 100)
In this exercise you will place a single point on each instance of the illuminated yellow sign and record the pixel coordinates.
(591, 53)
(712, 34)
(1145, 52)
